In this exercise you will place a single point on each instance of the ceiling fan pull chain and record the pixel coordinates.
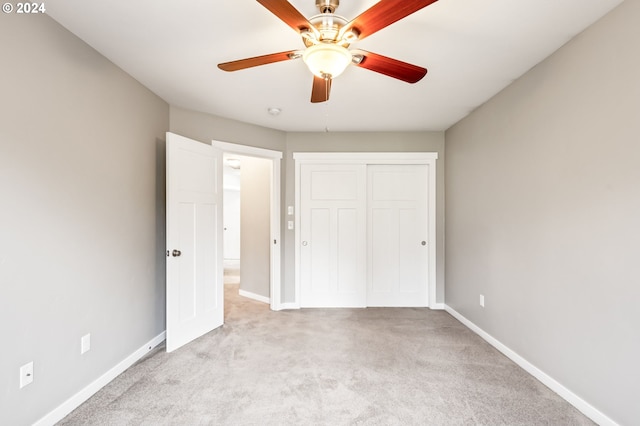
(326, 104)
(326, 113)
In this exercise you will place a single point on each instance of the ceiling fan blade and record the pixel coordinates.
(383, 14)
(389, 66)
(259, 60)
(321, 89)
(289, 14)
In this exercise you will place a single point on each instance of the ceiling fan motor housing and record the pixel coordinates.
(327, 6)
(326, 30)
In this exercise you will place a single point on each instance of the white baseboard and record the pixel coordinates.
(76, 400)
(288, 305)
(254, 296)
(438, 306)
(587, 409)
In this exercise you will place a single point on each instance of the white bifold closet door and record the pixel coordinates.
(363, 235)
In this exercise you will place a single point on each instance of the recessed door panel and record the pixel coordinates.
(319, 273)
(187, 263)
(334, 185)
(347, 263)
(412, 265)
(208, 225)
(383, 249)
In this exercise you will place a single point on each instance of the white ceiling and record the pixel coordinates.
(472, 49)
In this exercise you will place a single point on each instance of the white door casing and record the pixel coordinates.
(194, 240)
(397, 235)
(428, 252)
(333, 235)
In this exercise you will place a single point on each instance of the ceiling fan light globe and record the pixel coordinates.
(326, 60)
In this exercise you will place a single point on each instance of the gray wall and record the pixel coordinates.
(363, 142)
(255, 225)
(82, 217)
(543, 215)
(205, 128)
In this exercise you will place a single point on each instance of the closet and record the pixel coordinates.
(365, 229)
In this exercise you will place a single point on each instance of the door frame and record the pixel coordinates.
(275, 281)
(367, 158)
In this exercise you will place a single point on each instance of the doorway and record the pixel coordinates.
(246, 217)
(251, 185)
(231, 169)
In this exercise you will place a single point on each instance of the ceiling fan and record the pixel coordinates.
(327, 37)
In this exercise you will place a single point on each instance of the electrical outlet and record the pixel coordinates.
(85, 343)
(482, 300)
(26, 374)
(290, 210)
(290, 225)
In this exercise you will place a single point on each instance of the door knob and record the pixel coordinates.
(176, 253)
(304, 243)
(424, 243)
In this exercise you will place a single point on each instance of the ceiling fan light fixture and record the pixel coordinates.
(326, 60)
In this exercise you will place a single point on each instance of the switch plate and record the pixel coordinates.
(482, 300)
(290, 225)
(290, 210)
(85, 343)
(26, 374)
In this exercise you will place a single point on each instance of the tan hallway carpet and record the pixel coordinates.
(374, 366)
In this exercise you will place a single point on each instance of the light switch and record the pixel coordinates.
(26, 374)
(290, 225)
(85, 343)
(290, 211)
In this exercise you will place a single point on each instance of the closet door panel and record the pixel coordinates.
(397, 227)
(333, 235)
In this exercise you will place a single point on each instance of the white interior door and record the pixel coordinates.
(397, 263)
(194, 240)
(333, 235)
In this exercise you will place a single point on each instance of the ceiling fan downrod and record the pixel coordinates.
(327, 6)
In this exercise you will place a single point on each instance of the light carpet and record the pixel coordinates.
(374, 366)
